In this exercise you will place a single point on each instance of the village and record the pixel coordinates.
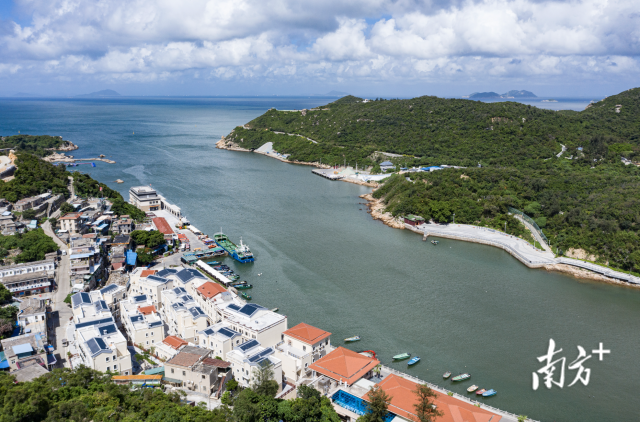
(176, 322)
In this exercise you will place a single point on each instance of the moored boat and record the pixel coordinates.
(446, 375)
(435, 242)
(243, 286)
(480, 391)
(402, 356)
(240, 253)
(352, 339)
(489, 393)
(413, 361)
(472, 388)
(246, 296)
(461, 377)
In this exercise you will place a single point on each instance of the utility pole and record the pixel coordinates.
(454, 218)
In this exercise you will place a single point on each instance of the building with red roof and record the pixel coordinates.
(404, 399)
(147, 273)
(302, 345)
(169, 347)
(209, 289)
(345, 366)
(162, 225)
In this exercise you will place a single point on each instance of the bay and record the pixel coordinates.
(459, 306)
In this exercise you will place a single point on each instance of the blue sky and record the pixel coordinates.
(365, 47)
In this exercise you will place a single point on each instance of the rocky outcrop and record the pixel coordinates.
(376, 209)
(581, 273)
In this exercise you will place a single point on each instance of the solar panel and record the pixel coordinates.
(140, 298)
(80, 298)
(109, 288)
(195, 273)
(248, 345)
(261, 355)
(136, 318)
(234, 307)
(187, 298)
(158, 279)
(97, 345)
(209, 331)
(250, 309)
(155, 324)
(179, 290)
(107, 329)
(184, 276)
(166, 272)
(227, 332)
(95, 322)
(196, 312)
(101, 305)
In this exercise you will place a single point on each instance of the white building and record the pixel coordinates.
(182, 314)
(248, 358)
(300, 347)
(152, 283)
(147, 199)
(141, 321)
(28, 278)
(96, 341)
(220, 339)
(253, 322)
(112, 295)
(169, 347)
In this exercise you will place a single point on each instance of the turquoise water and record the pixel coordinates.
(459, 306)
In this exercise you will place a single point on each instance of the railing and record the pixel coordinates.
(530, 221)
(452, 394)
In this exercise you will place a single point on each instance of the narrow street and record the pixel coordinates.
(60, 311)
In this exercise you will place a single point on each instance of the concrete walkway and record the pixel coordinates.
(520, 249)
(534, 233)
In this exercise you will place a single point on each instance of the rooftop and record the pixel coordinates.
(162, 225)
(403, 400)
(344, 365)
(174, 342)
(210, 289)
(146, 273)
(146, 310)
(189, 356)
(30, 306)
(307, 333)
(71, 216)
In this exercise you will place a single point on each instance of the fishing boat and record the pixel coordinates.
(275, 309)
(435, 242)
(489, 393)
(213, 263)
(480, 391)
(240, 253)
(413, 361)
(244, 286)
(245, 296)
(402, 356)
(472, 388)
(352, 339)
(446, 375)
(461, 377)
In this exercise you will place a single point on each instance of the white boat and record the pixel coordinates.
(351, 339)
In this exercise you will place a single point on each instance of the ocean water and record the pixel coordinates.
(459, 306)
(560, 103)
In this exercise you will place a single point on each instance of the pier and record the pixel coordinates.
(327, 174)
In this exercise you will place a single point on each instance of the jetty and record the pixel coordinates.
(330, 174)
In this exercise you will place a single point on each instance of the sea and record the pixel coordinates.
(461, 307)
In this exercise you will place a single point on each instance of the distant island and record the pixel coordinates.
(510, 94)
(103, 93)
(337, 94)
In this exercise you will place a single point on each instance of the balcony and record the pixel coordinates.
(30, 286)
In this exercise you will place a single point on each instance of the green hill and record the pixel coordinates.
(585, 199)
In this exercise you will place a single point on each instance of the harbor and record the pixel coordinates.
(459, 306)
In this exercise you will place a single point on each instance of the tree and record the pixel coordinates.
(150, 239)
(67, 299)
(53, 221)
(377, 406)
(145, 258)
(29, 214)
(66, 208)
(425, 408)
(232, 384)
(262, 382)
(5, 294)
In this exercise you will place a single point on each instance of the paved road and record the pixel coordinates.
(534, 233)
(60, 311)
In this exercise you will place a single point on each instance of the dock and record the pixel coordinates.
(327, 174)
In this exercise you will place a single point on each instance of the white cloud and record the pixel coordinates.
(147, 40)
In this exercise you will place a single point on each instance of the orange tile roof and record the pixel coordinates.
(174, 342)
(136, 377)
(344, 365)
(146, 310)
(147, 273)
(71, 216)
(307, 333)
(210, 289)
(162, 225)
(403, 400)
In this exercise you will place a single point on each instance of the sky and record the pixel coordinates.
(390, 48)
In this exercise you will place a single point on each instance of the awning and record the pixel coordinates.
(81, 255)
(4, 364)
(102, 226)
(132, 257)
(51, 359)
(172, 380)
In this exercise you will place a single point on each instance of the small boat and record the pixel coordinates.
(402, 356)
(472, 388)
(413, 361)
(446, 375)
(461, 377)
(246, 296)
(275, 310)
(435, 242)
(489, 393)
(243, 286)
(480, 391)
(351, 339)
(213, 263)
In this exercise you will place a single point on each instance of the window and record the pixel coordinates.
(304, 348)
(107, 359)
(114, 358)
(172, 371)
(306, 365)
(203, 377)
(147, 342)
(146, 335)
(184, 373)
(152, 333)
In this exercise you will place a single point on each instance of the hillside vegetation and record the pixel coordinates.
(37, 145)
(586, 199)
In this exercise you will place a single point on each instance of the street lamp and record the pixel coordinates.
(454, 218)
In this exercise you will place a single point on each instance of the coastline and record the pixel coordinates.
(376, 210)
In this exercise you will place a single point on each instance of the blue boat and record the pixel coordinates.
(240, 253)
(489, 393)
(413, 361)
